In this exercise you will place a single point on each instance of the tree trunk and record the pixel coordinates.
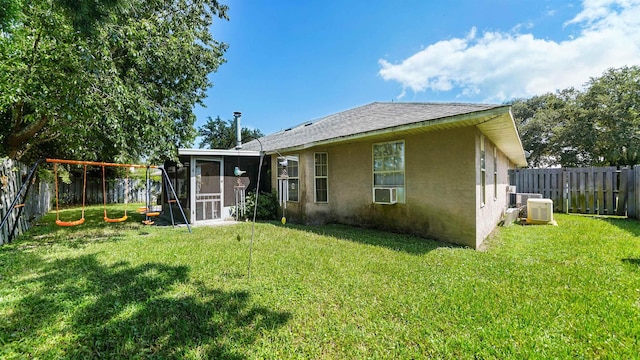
(17, 141)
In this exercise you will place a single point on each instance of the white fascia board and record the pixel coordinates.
(218, 152)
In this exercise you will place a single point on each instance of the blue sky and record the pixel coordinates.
(293, 61)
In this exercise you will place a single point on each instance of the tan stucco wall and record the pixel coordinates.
(441, 181)
(489, 214)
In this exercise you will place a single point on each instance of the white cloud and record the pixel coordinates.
(497, 66)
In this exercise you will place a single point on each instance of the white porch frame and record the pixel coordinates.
(192, 194)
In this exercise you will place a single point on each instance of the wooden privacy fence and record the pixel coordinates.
(37, 203)
(594, 190)
(71, 194)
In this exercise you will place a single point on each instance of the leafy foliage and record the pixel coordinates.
(267, 205)
(8, 13)
(595, 127)
(220, 134)
(612, 102)
(94, 80)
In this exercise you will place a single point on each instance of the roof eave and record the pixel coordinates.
(502, 131)
(218, 152)
(496, 123)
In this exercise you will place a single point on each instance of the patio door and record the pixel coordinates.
(208, 186)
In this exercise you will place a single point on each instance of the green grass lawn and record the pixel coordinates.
(130, 291)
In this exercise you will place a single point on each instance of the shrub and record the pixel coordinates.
(267, 205)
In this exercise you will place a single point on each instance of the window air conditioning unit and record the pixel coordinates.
(539, 211)
(385, 195)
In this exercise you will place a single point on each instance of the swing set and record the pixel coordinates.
(18, 202)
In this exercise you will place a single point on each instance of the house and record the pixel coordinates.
(437, 170)
(210, 182)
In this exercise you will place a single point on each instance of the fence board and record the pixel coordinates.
(547, 191)
(565, 192)
(609, 195)
(588, 190)
(581, 195)
(559, 191)
(575, 193)
(4, 199)
(636, 176)
(599, 184)
(631, 194)
(622, 198)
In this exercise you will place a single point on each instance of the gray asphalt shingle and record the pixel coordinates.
(361, 120)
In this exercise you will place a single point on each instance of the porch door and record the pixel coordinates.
(208, 189)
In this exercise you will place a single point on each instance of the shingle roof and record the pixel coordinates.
(362, 120)
(383, 118)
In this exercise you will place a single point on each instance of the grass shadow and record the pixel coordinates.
(395, 241)
(631, 226)
(93, 230)
(635, 263)
(124, 311)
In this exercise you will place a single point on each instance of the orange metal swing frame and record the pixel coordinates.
(104, 164)
(84, 189)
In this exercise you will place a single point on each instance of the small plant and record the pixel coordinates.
(267, 206)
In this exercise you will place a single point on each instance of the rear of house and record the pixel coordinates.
(433, 170)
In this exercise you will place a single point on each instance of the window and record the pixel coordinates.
(321, 177)
(495, 173)
(288, 177)
(388, 166)
(483, 171)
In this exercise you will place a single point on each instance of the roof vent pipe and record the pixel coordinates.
(237, 115)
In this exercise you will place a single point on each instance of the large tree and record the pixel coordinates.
(612, 106)
(594, 127)
(538, 118)
(220, 134)
(110, 81)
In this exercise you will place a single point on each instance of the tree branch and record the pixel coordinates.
(15, 141)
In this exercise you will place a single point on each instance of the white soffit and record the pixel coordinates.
(502, 131)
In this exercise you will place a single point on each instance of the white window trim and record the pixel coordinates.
(289, 177)
(404, 168)
(315, 177)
